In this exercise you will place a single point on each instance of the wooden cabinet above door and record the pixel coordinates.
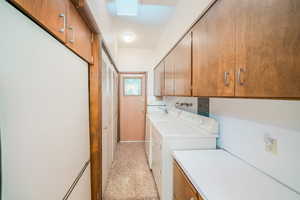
(79, 37)
(54, 17)
(51, 14)
(62, 20)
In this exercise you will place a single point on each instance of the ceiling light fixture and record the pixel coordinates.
(128, 37)
(127, 7)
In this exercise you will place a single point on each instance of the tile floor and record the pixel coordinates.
(130, 177)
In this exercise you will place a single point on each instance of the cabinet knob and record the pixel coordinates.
(192, 198)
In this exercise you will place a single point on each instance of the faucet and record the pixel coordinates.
(166, 110)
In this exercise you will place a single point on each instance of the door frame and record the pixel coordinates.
(119, 96)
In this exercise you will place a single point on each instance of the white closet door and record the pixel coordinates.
(82, 190)
(44, 110)
(105, 126)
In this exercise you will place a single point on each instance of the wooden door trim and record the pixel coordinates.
(95, 105)
(95, 95)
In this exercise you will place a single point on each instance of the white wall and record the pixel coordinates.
(104, 21)
(44, 111)
(135, 59)
(171, 101)
(243, 124)
(186, 13)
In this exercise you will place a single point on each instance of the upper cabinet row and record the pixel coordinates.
(60, 17)
(177, 71)
(241, 48)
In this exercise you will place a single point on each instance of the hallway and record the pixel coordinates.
(130, 177)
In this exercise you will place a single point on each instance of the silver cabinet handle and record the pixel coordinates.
(71, 28)
(226, 82)
(192, 198)
(239, 76)
(62, 15)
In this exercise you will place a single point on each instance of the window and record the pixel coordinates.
(132, 86)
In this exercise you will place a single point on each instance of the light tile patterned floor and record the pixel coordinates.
(130, 177)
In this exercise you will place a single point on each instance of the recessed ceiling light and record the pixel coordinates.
(127, 7)
(128, 37)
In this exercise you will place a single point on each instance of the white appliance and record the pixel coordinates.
(148, 141)
(186, 132)
(156, 115)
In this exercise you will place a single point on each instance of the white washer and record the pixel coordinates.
(167, 136)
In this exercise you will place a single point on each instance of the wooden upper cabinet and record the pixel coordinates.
(183, 66)
(268, 48)
(79, 37)
(54, 17)
(61, 19)
(159, 79)
(31, 7)
(51, 14)
(169, 75)
(214, 51)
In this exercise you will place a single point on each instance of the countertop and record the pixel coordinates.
(218, 175)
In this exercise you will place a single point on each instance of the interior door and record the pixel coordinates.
(268, 54)
(132, 107)
(214, 51)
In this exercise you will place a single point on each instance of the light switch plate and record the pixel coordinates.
(270, 144)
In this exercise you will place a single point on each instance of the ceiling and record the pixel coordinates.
(153, 16)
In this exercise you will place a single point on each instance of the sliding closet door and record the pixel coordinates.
(44, 111)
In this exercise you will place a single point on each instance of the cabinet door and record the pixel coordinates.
(31, 7)
(51, 14)
(214, 51)
(169, 75)
(268, 48)
(162, 78)
(159, 79)
(54, 16)
(79, 37)
(157, 82)
(183, 67)
(182, 188)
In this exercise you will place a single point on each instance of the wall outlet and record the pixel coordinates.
(270, 144)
